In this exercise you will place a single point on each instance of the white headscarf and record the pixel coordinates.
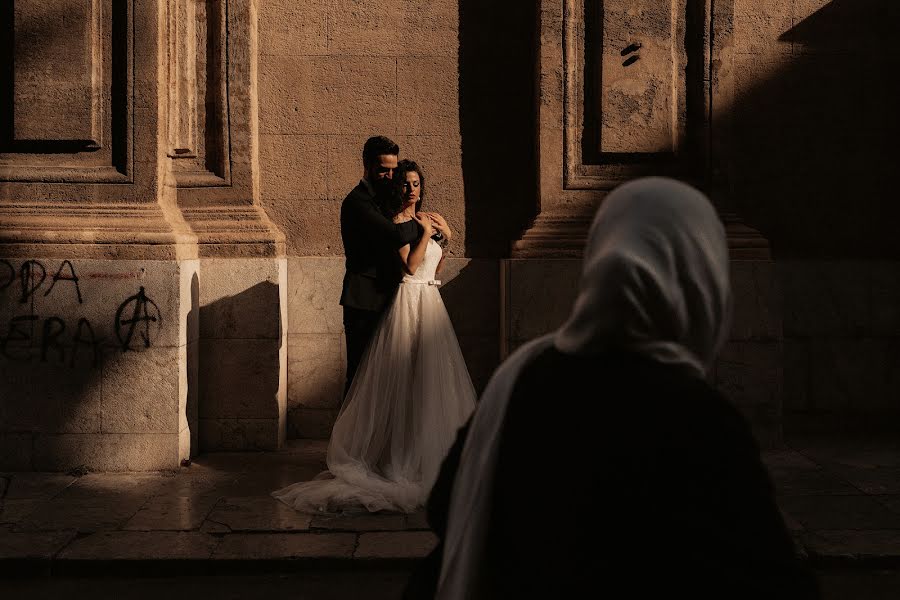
(655, 282)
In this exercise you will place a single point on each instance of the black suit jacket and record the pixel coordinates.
(371, 242)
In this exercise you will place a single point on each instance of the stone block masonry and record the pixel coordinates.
(95, 363)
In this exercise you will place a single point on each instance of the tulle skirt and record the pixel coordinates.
(410, 395)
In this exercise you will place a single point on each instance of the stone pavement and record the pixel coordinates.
(840, 499)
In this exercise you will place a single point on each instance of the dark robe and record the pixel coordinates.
(622, 476)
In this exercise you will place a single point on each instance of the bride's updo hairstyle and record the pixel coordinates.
(404, 167)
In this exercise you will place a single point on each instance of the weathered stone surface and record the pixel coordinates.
(749, 374)
(34, 544)
(311, 423)
(240, 298)
(796, 376)
(424, 85)
(470, 289)
(239, 378)
(824, 298)
(314, 295)
(786, 459)
(809, 482)
(316, 227)
(540, 295)
(393, 28)
(345, 162)
(396, 544)
(106, 452)
(338, 94)
(855, 375)
(871, 480)
(112, 486)
(840, 512)
(850, 543)
(757, 302)
(482, 355)
(82, 514)
(14, 511)
(37, 486)
(15, 451)
(296, 166)
(49, 397)
(316, 370)
(286, 545)
(238, 434)
(885, 298)
(294, 29)
(128, 545)
(104, 287)
(261, 513)
(141, 392)
(756, 28)
(366, 522)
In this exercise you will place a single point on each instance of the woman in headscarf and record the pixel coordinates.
(599, 457)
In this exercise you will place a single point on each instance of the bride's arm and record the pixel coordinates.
(413, 258)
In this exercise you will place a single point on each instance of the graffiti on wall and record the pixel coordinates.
(30, 335)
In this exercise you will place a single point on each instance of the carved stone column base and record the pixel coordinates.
(234, 231)
(129, 231)
(555, 234)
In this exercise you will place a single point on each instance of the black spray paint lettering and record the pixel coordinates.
(71, 277)
(18, 332)
(11, 274)
(32, 275)
(53, 328)
(140, 307)
(27, 275)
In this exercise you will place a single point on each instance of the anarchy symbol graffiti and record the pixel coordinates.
(143, 313)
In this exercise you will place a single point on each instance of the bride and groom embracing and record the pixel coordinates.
(408, 390)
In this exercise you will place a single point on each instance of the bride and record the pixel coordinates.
(411, 392)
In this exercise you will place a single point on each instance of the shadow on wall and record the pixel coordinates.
(498, 44)
(472, 298)
(815, 142)
(241, 371)
(192, 410)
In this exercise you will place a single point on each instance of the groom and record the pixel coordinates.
(370, 242)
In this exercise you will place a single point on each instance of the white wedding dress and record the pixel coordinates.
(409, 396)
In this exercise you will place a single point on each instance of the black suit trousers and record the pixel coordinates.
(359, 327)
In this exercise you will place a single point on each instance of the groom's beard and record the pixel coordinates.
(385, 195)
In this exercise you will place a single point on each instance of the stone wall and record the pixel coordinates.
(98, 363)
(813, 128)
(333, 73)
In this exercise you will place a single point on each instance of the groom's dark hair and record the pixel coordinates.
(376, 146)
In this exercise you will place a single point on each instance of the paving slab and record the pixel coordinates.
(395, 544)
(870, 479)
(42, 545)
(133, 545)
(115, 486)
(37, 486)
(257, 513)
(14, 511)
(854, 544)
(809, 482)
(267, 546)
(840, 512)
(85, 515)
(172, 513)
(373, 522)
